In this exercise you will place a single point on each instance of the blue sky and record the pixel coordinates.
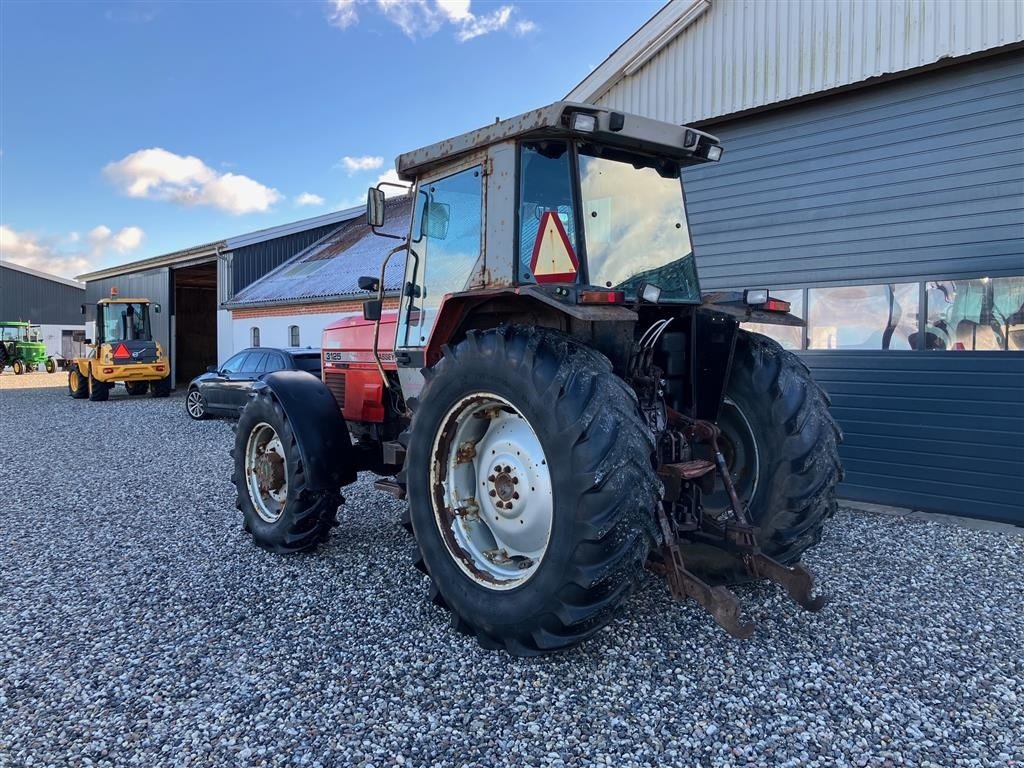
(128, 130)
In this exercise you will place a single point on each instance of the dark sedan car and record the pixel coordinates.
(226, 389)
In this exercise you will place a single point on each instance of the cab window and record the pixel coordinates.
(447, 237)
(545, 186)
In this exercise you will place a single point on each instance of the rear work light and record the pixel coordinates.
(759, 298)
(601, 297)
(583, 122)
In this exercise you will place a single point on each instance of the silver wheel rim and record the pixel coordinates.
(491, 491)
(266, 472)
(194, 403)
(746, 485)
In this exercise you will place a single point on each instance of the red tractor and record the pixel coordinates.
(553, 396)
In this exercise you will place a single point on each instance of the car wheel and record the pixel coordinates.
(195, 404)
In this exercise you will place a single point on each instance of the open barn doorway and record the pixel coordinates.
(195, 320)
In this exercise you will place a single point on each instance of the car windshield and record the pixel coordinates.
(635, 228)
(125, 321)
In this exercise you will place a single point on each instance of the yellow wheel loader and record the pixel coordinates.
(124, 351)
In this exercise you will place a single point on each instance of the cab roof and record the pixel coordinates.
(617, 129)
(120, 300)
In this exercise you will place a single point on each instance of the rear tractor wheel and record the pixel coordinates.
(98, 390)
(78, 385)
(277, 509)
(531, 488)
(782, 448)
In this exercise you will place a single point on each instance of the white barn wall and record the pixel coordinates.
(274, 330)
(735, 55)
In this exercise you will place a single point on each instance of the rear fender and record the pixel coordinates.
(320, 430)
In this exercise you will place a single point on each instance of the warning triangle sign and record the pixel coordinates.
(122, 351)
(554, 260)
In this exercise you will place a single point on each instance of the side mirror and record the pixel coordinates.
(211, 369)
(156, 308)
(375, 207)
(88, 341)
(83, 309)
(367, 283)
(371, 309)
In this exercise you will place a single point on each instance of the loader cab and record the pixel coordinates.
(123, 320)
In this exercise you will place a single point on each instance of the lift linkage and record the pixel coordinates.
(737, 535)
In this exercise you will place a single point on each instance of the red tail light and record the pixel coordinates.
(159, 368)
(108, 370)
(602, 297)
(775, 305)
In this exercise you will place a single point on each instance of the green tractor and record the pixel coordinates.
(22, 349)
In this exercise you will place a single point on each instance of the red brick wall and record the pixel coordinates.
(336, 307)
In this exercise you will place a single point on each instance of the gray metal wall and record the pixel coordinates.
(154, 285)
(38, 300)
(918, 179)
(251, 262)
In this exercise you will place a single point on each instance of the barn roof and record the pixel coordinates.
(330, 268)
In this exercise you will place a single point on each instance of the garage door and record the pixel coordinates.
(893, 218)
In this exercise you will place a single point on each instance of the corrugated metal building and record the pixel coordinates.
(291, 305)
(192, 285)
(54, 303)
(873, 174)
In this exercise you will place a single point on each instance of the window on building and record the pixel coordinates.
(863, 316)
(789, 336)
(254, 337)
(981, 314)
(293, 335)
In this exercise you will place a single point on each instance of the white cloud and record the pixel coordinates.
(342, 13)
(47, 255)
(308, 198)
(363, 163)
(158, 174)
(423, 18)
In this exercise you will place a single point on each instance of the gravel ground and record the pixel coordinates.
(139, 626)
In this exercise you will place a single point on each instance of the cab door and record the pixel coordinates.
(447, 243)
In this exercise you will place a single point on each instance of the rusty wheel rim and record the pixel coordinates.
(266, 472)
(491, 491)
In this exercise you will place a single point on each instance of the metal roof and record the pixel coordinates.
(212, 250)
(698, 60)
(330, 269)
(44, 275)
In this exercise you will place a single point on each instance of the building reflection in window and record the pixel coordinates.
(863, 317)
(790, 337)
(980, 314)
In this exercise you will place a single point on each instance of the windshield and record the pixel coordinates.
(634, 223)
(13, 333)
(127, 321)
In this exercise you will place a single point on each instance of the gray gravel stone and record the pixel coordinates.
(140, 626)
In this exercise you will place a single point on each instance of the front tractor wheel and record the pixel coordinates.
(781, 445)
(50, 365)
(531, 488)
(269, 477)
(18, 367)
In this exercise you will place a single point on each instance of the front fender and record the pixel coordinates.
(320, 430)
